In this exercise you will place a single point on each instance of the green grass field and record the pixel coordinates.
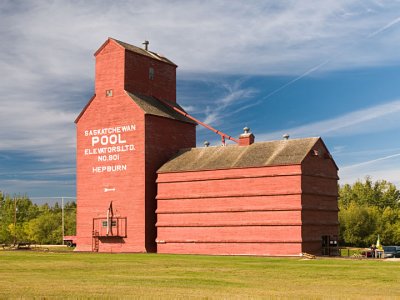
(29, 274)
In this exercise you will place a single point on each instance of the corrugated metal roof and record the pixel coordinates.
(273, 153)
(144, 52)
(152, 106)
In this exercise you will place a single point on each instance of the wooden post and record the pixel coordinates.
(15, 220)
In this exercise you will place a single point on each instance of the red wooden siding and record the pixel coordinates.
(162, 86)
(230, 234)
(230, 218)
(232, 187)
(236, 211)
(128, 197)
(287, 202)
(164, 137)
(319, 200)
(132, 187)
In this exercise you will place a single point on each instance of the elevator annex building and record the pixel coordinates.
(144, 186)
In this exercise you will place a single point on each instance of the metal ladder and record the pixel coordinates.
(95, 244)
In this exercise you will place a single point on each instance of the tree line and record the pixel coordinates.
(368, 209)
(22, 221)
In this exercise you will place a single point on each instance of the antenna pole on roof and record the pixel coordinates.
(146, 45)
(223, 135)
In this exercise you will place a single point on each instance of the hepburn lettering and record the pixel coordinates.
(114, 168)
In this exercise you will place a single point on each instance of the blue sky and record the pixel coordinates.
(307, 68)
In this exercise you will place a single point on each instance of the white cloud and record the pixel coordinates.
(189, 108)
(373, 119)
(380, 164)
(211, 118)
(385, 27)
(369, 162)
(233, 95)
(265, 37)
(381, 168)
(47, 62)
(38, 187)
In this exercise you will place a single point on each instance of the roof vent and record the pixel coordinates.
(146, 45)
(206, 143)
(285, 136)
(246, 138)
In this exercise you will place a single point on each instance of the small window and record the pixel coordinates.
(151, 73)
(318, 152)
(109, 93)
(113, 223)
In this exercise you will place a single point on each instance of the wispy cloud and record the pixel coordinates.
(381, 168)
(373, 119)
(335, 56)
(383, 28)
(189, 108)
(372, 161)
(234, 94)
(378, 163)
(48, 66)
(38, 187)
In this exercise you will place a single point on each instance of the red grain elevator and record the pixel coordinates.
(143, 186)
(124, 134)
(275, 198)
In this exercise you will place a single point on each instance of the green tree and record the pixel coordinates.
(358, 224)
(25, 221)
(14, 211)
(6, 218)
(46, 228)
(70, 218)
(380, 194)
(388, 225)
(368, 209)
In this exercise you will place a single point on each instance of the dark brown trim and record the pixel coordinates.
(84, 109)
(105, 44)
(227, 169)
(197, 225)
(158, 211)
(230, 178)
(321, 176)
(226, 242)
(224, 196)
(275, 209)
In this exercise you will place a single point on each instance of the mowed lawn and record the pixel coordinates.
(30, 274)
